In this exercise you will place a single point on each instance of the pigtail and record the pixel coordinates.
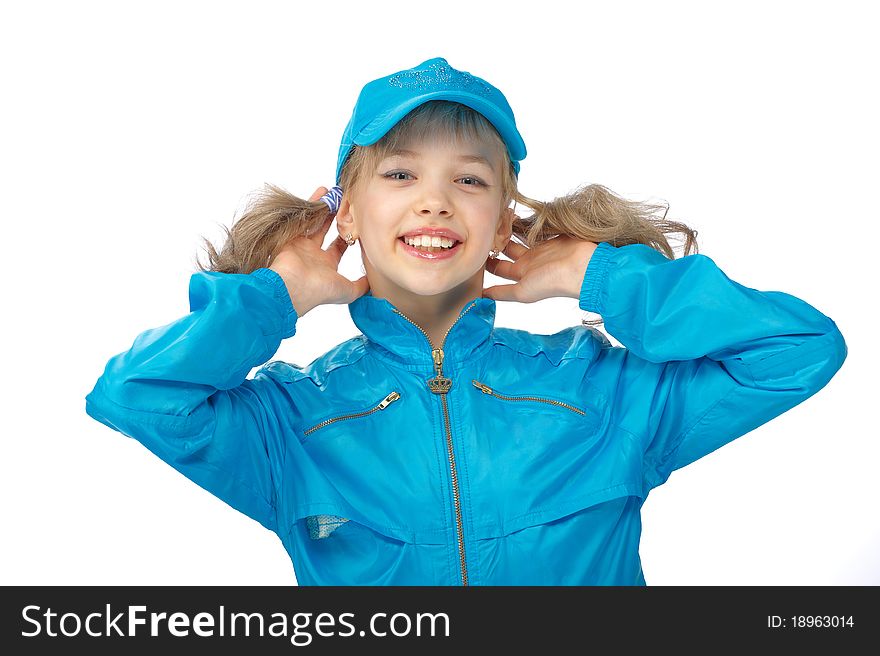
(595, 213)
(271, 218)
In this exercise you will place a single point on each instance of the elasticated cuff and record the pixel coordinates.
(280, 293)
(592, 297)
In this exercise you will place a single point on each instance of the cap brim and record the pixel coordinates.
(380, 125)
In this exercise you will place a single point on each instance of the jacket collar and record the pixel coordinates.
(399, 339)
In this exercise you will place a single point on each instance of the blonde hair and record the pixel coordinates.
(273, 216)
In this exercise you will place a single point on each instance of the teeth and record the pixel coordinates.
(429, 241)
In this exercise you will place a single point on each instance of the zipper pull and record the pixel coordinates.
(483, 388)
(438, 360)
(439, 384)
(388, 399)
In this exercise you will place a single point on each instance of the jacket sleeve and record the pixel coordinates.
(182, 389)
(704, 358)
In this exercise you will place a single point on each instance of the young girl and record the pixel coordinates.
(434, 448)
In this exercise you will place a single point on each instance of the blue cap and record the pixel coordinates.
(383, 102)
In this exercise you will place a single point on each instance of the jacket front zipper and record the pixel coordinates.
(441, 385)
(488, 390)
(381, 406)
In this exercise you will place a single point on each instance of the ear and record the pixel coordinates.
(344, 219)
(504, 229)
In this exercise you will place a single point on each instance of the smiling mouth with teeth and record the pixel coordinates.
(430, 244)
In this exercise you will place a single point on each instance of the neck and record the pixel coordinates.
(435, 314)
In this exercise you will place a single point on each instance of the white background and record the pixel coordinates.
(129, 130)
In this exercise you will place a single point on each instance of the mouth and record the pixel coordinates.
(445, 250)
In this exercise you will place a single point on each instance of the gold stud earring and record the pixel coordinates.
(494, 254)
(349, 239)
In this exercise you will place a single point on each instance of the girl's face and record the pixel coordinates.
(429, 188)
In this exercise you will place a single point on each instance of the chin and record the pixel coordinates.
(428, 290)
(436, 287)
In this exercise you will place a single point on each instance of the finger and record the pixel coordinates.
(359, 287)
(491, 264)
(337, 248)
(320, 191)
(321, 233)
(503, 269)
(502, 292)
(514, 250)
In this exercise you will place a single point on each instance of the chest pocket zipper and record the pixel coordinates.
(488, 390)
(384, 403)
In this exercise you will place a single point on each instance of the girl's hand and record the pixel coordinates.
(555, 267)
(311, 272)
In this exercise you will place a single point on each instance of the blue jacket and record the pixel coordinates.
(504, 457)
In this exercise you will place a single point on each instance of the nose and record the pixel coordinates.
(433, 202)
(427, 211)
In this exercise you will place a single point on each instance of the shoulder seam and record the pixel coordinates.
(294, 372)
(592, 344)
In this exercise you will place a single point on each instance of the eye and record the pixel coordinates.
(391, 175)
(402, 175)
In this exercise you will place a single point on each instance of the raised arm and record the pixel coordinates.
(706, 359)
(182, 389)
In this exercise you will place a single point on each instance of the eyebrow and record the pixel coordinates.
(479, 159)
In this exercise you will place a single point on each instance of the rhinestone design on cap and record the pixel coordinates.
(438, 75)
